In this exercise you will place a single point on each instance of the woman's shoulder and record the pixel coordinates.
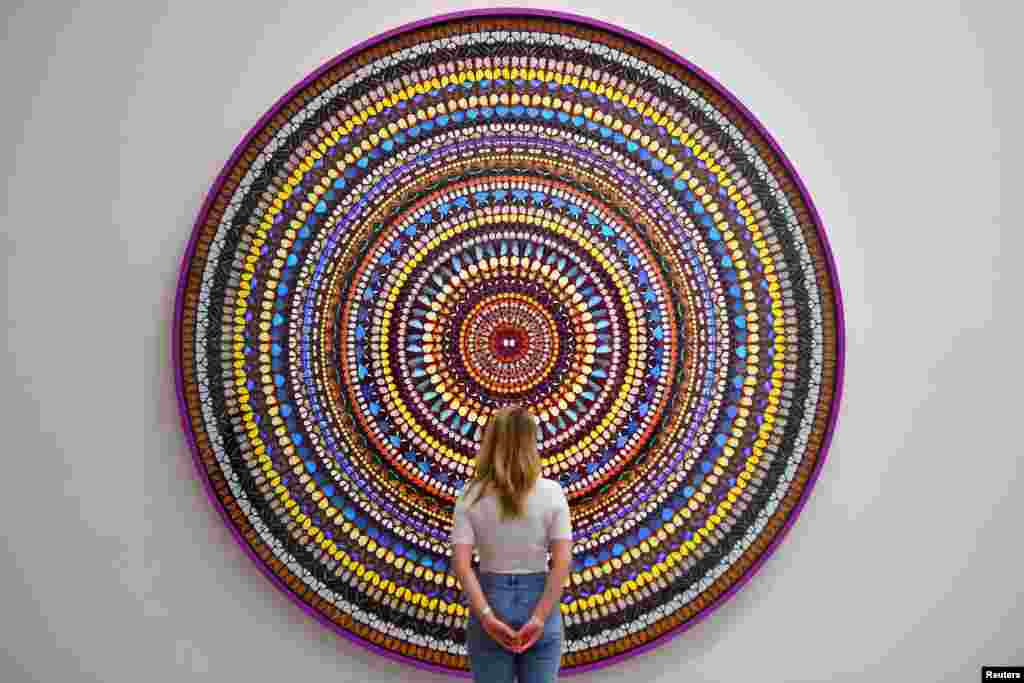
(550, 487)
(463, 494)
(470, 489)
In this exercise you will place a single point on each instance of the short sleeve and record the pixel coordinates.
(561, 524)
(462, 530)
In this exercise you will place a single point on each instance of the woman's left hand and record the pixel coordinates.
(499, 631)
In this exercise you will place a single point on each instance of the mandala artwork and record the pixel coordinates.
(495, 207)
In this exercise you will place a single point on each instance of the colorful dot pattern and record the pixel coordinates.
(496, 209)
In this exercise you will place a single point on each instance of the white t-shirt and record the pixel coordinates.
(513, 546)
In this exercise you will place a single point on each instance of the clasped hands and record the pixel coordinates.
(514, 641)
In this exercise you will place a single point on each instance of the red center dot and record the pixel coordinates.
(509, 343)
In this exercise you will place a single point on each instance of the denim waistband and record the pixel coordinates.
(493, 580)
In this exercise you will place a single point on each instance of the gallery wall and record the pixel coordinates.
(905, 562)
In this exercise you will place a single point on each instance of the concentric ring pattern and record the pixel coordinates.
(498, 208)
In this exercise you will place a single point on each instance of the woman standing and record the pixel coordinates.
(513, 517)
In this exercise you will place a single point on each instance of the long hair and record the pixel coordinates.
(508, 462)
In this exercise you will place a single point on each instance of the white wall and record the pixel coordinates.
(907, 560)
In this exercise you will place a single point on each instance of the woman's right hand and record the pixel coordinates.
(529, 634)
(499, 631)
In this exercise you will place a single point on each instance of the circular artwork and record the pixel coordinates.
(502, 207)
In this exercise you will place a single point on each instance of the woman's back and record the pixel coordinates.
(514, 545)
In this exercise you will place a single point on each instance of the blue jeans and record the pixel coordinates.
(513, 597)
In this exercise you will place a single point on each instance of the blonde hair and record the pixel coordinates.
(508, 462)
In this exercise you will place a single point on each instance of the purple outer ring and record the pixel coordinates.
(594, 23)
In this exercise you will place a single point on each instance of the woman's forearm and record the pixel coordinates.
(462, 564)
(561, 558)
